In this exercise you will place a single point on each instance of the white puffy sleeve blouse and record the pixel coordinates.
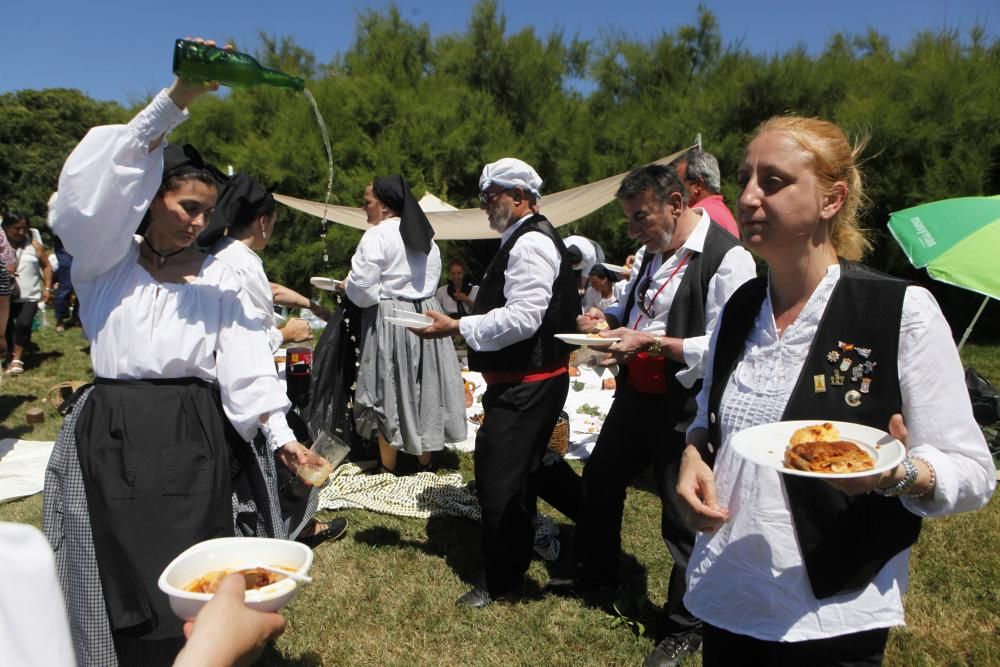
(140, 328)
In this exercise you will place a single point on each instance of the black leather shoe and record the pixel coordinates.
(673, 649)
(475, 598)
(335, 529)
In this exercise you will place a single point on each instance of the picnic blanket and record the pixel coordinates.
(422, 495)
(22, 467)
(587, 405)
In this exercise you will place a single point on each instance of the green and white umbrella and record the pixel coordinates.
(957, 241)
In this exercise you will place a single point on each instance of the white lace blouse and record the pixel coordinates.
(749, 577)
(140, 328)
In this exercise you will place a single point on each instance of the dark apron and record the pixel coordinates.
(155, 458)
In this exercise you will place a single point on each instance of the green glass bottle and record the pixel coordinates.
(198, 62)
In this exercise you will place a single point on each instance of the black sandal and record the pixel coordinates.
(335, 529)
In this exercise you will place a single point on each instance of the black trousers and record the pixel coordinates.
(634, 436)
(510, 446)
(721, 648)
(22, 315)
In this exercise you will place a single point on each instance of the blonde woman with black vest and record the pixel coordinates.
(793, 570)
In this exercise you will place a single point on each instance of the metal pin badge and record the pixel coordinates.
(856, 373)
(833, 356)
(864, 352)
(866, 385)
(845, 364)
(819, 383)
(837, 379)
(853, 398)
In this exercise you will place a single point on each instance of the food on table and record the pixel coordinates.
(608, 383)
(255, 578)
(477, 418)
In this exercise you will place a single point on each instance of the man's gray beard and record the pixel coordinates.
(502, 219)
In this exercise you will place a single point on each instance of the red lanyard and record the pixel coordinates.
(653, 300)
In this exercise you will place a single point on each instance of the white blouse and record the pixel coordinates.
(593, 299)
(383, 267)
(736, 268)
(139, 328)
(249, 269)
(749, 577)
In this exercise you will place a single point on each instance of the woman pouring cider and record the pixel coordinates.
(183, 375)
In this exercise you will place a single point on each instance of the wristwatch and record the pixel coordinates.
(655, 348)
(902, 487)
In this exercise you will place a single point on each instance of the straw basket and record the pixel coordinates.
(559, 440)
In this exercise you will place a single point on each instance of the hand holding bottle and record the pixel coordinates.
(184, 91)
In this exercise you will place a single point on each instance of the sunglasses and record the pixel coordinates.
(486, 198)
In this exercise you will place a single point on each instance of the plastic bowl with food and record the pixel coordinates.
(234, 553)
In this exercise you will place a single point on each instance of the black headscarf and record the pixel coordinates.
(241, 200)
(183, 161)
(414, 226)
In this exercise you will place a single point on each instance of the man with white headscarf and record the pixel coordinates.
(528, 294)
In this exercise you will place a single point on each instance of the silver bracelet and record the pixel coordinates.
(902, 486)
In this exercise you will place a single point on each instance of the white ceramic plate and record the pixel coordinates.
(617, 268)
(413, 322)
(585, 340)
(765, 445)
(329, 284)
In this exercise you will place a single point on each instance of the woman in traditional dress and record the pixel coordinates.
(410, 392)
(141, 469)
(798, 571)
(241, 227)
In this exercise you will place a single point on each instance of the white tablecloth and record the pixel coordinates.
(584, 390)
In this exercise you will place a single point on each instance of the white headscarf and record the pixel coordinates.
(509, 172)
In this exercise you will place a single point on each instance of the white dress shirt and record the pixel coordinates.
(249, 268)
(139, 328)
(749, 577)
(736, 268)
(384, 268)
(531, 272)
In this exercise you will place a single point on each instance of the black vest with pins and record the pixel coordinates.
(845, 540)
(687, 313)
(542, 349)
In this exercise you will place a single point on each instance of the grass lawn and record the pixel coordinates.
(385, 594)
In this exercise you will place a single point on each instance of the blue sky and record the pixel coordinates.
(117, 50)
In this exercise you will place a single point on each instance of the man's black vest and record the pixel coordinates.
(542, 349)
(845, 540)
(687, 313)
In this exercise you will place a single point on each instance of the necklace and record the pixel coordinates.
(162, 257)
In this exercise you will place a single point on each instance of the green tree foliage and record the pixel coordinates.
(38, 129)
(436, 108)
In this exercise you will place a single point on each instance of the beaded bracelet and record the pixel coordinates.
(931, 483)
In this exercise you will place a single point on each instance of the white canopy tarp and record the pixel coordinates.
(561, 208)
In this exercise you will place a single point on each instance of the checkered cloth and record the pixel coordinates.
(66, 525)
(422, 495)
(256, 510)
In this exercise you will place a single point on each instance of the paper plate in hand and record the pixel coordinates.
(329, 284)
(586, 340)
(765, 445)
(617, 268)
(415, 321)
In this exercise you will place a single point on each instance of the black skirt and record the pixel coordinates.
(155, 458)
